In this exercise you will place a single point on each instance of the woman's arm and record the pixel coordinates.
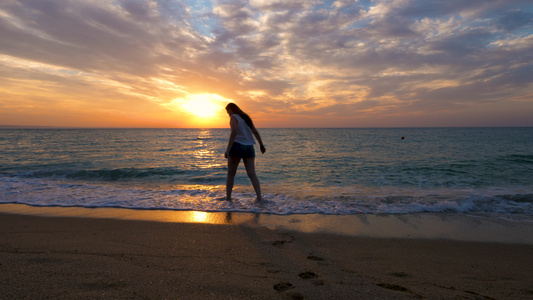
(258, 137)
(234, 125)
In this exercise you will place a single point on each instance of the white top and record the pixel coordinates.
(244, 135)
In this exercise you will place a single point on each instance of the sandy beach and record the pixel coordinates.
(82, 257)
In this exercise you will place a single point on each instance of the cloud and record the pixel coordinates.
(515, 19)
(293, 58)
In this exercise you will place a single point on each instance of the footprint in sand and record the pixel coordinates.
(393, 287)
(312, 257)
(398, 288)
(280, 243)
(308, 275)
(311, 277)
(399, 274)
(283, 286)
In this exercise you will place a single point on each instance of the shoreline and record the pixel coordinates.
(432, 226)
(90, 255)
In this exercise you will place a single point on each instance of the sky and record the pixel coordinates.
(287, 63)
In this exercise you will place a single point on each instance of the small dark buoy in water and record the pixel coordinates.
(403, 137)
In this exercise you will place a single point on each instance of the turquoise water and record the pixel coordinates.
(486, 171)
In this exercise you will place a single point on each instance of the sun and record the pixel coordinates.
(201, 106)
(200, 110)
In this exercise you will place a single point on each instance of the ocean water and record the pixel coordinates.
(475, 171)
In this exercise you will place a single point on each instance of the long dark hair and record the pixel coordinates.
(241, 113)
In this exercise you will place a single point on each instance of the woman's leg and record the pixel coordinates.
(249, 164)
(233, 163)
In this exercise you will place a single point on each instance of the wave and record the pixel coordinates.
(519, 158)
(38, 192)
(119, 174)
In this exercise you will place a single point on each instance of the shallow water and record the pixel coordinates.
(480, 171)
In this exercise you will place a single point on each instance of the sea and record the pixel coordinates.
(329, 171)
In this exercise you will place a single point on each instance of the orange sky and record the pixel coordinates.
(383, 63)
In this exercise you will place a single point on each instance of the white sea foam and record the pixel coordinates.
(53, 192)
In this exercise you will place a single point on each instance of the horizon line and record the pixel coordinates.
(333, 127)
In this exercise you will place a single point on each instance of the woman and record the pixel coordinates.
(241, 146)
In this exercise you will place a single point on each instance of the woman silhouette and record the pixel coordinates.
(241, 146)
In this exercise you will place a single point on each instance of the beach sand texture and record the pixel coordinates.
(90, 258)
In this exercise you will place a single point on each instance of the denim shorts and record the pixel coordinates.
(242, 151)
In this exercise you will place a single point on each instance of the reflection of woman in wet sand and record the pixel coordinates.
(241, 146)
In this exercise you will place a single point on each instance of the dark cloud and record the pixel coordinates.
(439, 8)
(513, 20)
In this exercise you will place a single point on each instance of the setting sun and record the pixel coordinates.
(202, 109)
(202, 105)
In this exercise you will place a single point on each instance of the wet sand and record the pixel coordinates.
(238, 257)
